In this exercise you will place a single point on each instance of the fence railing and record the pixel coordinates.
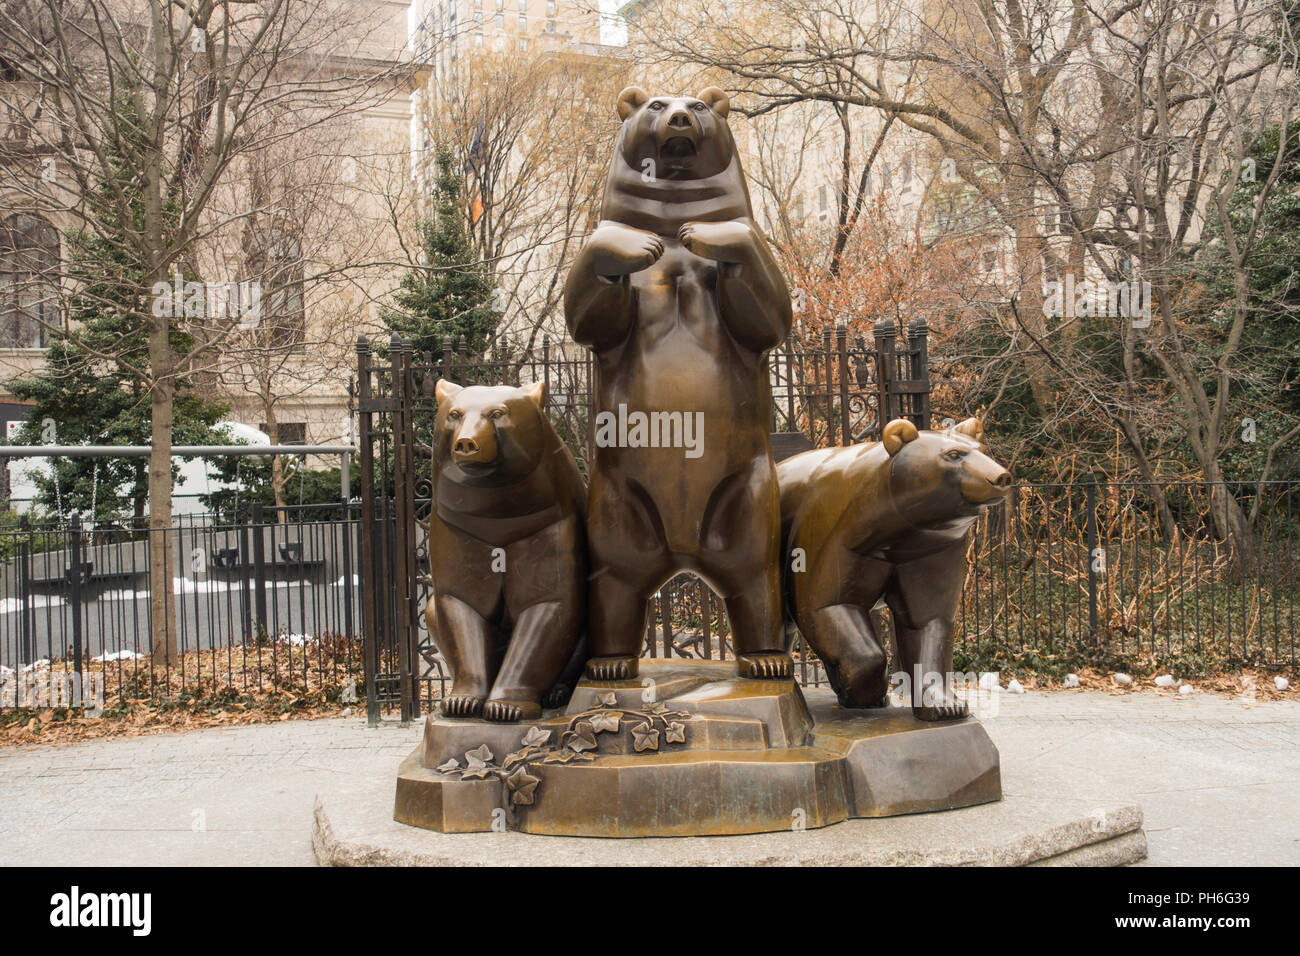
(1069, 567)
(270, 603)
(275, 602)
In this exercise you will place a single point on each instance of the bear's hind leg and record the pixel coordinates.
(616, 612)
(843, 638)
(759, 632)
(467, 642)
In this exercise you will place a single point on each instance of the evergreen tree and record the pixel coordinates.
(85, 393)
(1268, 391)
(451, 294)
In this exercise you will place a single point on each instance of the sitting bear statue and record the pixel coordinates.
(507, 552)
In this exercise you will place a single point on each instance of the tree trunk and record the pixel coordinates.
(161, 555)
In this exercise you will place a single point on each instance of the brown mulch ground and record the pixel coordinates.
(218, 701)
(263, 684)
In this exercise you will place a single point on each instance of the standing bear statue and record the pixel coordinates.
(680, 299)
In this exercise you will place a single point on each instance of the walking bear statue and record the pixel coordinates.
(888, 519)
(680, 299)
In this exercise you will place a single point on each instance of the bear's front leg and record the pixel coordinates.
(465, 639)
(754, 299)
(615, 250)
(597, 295)
(923, 603)
(540, 645)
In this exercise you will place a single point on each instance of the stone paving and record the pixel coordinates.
(1218, 779)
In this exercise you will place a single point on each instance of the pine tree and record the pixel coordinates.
(451, 294)
(85, 393)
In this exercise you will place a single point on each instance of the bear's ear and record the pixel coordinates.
(445, 391)
(971, 428)
(715, 100)
(897, 434)
(536, 393)
(630, 100)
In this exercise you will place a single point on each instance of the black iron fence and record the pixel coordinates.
(269, 601)
(273, 600)
(1136, 568)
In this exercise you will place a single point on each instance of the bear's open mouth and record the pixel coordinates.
(677, 147)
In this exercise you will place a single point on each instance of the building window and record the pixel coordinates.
(501, 4)
(291, 433)
(478, 18)
(550, 8)
(478, 41)
(523, 43)
(29, 281)
(501, 21)
(278, 264)
(523, 6)
(550, 26)
(523, 23)
(500, 43)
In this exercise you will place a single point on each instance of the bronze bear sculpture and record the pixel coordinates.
(680, 299)
(888, 519)
(507, 551)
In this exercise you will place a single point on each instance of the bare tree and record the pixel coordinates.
(206, 82)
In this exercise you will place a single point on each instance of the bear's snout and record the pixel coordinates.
(474, 445)
(986, 480)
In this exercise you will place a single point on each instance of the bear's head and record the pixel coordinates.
(675, 162)
(675, 137)
(489, 435)
(936, 476)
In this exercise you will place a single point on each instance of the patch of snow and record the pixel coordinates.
(1071, 680)
(1015, 687)
(989, 681)
(1185, 690)
(1165, 680)
(122, 655)
(1123, 680)
(14, 605)
(1281, 683)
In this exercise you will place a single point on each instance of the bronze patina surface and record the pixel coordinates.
(696, 751)
(507, 550)
(890, 520)
(680, 299)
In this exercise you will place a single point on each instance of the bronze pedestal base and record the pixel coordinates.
(691, 750)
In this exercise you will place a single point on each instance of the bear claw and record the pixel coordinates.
(948, 710)
(611, 668)
(462, 705)
(557, 696)
(509, 711)
(769, 665)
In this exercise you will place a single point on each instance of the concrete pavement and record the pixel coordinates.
(1219, 781)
